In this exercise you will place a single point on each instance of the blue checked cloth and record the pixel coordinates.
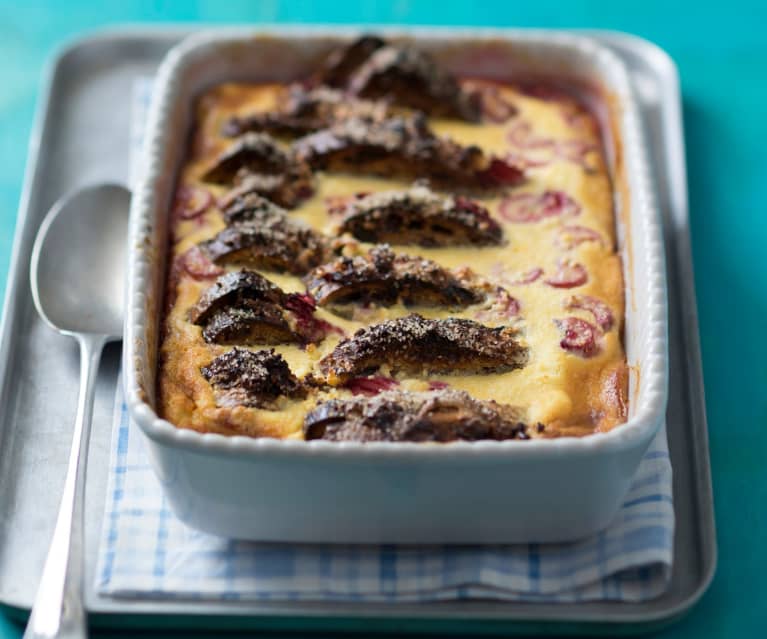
(146, 552)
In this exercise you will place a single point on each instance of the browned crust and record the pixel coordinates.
(268, 242)
(404, 147)
(415, 344)
(420, 216)
(383, 277)
(436, 416)
(258, 379)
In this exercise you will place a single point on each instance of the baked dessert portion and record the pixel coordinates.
(256, 163)
(372, 68)
(382, 251)
(438, 416)
(383, 277)
(418, 215)
(265, 237)
(243, 307)
(305, 110)
(251, 379)
(403, 147)
(416, 345)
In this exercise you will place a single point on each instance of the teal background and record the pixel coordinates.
(721, 50)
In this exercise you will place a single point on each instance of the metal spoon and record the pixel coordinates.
(77, 272)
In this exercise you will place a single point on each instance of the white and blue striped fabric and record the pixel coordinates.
(146, 552)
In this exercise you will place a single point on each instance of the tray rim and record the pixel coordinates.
(129, 31)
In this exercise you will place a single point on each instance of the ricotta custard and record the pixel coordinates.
(350, 260)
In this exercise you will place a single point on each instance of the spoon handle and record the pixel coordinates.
(58, 610)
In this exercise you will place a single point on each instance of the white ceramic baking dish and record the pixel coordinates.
(319, 491)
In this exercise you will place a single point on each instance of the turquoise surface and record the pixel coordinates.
(721, 50)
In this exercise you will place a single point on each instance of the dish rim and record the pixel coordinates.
(638, 428)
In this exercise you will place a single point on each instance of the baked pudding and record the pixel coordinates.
(385, 252)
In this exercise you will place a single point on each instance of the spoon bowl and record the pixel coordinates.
(78, 266)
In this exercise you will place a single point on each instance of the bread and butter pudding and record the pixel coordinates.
(384, 252)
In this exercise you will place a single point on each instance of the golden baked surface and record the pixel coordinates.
(562, 290)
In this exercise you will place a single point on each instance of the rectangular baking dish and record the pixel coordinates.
(480, 492)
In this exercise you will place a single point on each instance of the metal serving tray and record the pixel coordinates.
(81, 137)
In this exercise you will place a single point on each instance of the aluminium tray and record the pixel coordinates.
(81, 136)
